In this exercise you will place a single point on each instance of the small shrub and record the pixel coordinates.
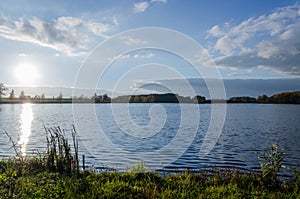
(138, 168)
(272, 162)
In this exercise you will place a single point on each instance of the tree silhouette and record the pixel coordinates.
(2, 90)
(60, 96)
(22, 95)
(43, 96)
(12, 95)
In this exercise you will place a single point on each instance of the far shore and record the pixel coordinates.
(280, 98)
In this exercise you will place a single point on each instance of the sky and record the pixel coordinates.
(48, 43)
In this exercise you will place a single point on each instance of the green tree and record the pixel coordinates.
(2, 90)
(263, 99)
(199, 99)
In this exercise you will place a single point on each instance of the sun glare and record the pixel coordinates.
(26, 74)
(26, 120)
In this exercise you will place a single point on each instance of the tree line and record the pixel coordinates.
(279, 98)
(23, 97)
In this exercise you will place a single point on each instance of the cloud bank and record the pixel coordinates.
(67, 34)
(269, 41)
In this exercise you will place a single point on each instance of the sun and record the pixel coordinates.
(26, 74)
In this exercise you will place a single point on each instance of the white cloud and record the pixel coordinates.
(225, 45)
(285, 44)
(216, 31)
(144, 56)
(134, 56)
(68, 34)
(69, 21)
(125, 56)
(160, 1)
(140, 7)
(132, 41)
(268, 40)
(144, 5)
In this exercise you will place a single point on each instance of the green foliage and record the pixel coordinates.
(281, 98)
(199, 99)
(272, 162)
(263, 99)
(138, 168)
(87, 184)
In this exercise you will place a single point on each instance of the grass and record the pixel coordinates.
(87, 184)
(56, 174)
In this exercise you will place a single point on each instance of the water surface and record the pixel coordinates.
(151, 127)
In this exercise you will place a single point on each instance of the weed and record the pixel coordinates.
(272, 162)
(138, 168)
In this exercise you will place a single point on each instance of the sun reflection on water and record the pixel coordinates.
(26, 119)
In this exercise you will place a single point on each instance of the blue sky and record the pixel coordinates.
(44, 43)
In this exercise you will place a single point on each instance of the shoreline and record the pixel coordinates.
(280, 98)
(145, 103)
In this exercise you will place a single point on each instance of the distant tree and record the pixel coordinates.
(286, 98)
(136, 99)
(199, 99)
(22, 95)
(98, 99)
(43, 96)
(12, 95)
(105, 98)
(144, 99)
(263, 99)
(93, 98)
(81, 96)
(244, 99)
(60, 96)
(2, 90)
(37, 97)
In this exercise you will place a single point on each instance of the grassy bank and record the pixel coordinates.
(30, 179)
(55, 173)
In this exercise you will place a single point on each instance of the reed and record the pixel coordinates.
(59, 158)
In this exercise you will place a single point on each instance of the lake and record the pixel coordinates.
(169, 136)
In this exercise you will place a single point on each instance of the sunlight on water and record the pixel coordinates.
(26, 119)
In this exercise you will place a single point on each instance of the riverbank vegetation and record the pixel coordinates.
(56, 173)
(280, 98)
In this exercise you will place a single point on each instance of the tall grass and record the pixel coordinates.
(59, 158)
